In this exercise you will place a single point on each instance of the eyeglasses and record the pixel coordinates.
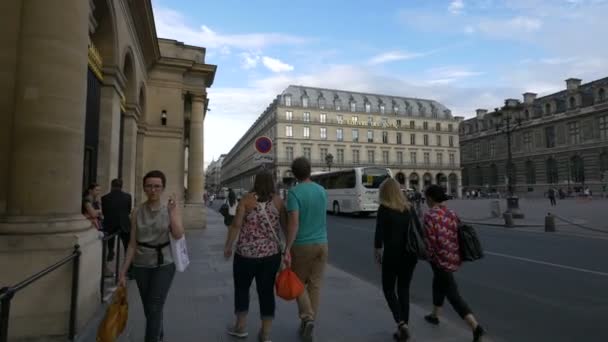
(153, 186)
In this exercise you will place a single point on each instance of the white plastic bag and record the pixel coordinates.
(179, 251)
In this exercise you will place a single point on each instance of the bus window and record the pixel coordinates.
(371, 178)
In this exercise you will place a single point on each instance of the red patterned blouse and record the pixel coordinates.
(441, 237)
(256, 239)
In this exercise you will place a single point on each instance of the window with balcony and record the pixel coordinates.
(371, 156)
(452, 159)
(340, 134)
(385, 158)
(413, 158)
(399, 138)
(323, 118)
(288, 115)
(370, 120)
(400, 158)
(425, 126)
(340, 156)
(355, 135)
(355, 156)
(527, 138)
(289, 131)
(425, 140)
(451, 141)
(427, 158)
(385, 137)
(323, 153)
(306, 132)
(370, 136)
(412, 124)
(450, 127)
(398, 123)
(384, 122)
(340, 119)
(307, 153)
(440, 158)
(323, 133)
(355, 119)
(412, 139)
(438, 126)
(306, 116)
(550, 137)
(438, 140)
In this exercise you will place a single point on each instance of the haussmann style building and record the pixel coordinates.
(89, 93)
(416, 138)
(560, 141)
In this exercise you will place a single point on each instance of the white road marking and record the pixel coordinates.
(584, 270)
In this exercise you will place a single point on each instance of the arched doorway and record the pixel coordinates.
(414, 181)
(400, 177)
(442, 180)
(453, 184)
(427, 180)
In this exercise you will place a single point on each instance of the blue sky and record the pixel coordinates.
(466, 54)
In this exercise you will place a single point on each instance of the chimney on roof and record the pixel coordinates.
(481, 112)
(529, 98)
(573, 83)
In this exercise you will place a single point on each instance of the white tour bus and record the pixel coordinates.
(352, 190)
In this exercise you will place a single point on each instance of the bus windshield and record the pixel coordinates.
(372, 177)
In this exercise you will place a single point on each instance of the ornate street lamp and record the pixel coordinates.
(329, 160)
(510, 116)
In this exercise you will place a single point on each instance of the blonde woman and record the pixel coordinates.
(394, 217)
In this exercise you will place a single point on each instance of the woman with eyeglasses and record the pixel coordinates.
(150, 252)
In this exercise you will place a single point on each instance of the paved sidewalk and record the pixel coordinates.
(200, 304)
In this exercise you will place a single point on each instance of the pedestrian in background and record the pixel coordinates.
(150, 252)
(258, 221)
(393, 219)
(91, 205)
(232, 203)
(551, 196)
(116, 208)
(306, 248)
(441, 237)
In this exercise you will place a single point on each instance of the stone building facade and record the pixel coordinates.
(89, 94)
(416, 138)
(562, 142)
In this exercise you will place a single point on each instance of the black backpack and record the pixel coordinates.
(470, 246)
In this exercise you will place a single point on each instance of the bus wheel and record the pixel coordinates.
(336, 208)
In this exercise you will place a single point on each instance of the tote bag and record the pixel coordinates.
(179, 252)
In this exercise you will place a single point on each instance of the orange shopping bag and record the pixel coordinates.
(114, 322)
(288, 285)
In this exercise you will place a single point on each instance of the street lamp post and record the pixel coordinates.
(511, 120)
(329, 160)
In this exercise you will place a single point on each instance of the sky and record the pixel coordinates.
(466, 54)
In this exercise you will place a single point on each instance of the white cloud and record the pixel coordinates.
(172, 24)
(456, 6)
(508, 28)
(249, 60)
(393, 56)
(450, 74)
(276, 65)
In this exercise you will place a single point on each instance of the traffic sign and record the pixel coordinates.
(263, 159)
(263, 145)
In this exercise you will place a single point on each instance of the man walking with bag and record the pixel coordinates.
(306, 249)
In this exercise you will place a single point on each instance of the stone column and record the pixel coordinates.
(129, 154)
(42, 222)
(109, 135)
(194, 213)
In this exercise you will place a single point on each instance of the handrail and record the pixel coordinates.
(7, 293)
(104, 254)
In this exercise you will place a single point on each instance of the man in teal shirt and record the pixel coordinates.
(306, 248)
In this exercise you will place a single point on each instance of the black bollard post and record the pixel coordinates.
(549, 223)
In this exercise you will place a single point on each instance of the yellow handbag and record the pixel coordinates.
(116, 317)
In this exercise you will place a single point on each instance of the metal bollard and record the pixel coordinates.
(549, 223)
(508, 220)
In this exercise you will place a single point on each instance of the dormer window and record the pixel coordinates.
(548, 109)
(321, 103)
(572, 102)
(368, 107)
(338, 104)
(601, 95)
(396, 109)
(287, 100)
(305, 101)
(381, 109)
(353, 106)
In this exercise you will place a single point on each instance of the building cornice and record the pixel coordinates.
(143, 19)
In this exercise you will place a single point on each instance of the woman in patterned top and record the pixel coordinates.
(441, 237)
(258, 221)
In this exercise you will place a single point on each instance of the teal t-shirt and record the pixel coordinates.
(309, 199)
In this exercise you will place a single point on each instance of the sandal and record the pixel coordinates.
(261, 338)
